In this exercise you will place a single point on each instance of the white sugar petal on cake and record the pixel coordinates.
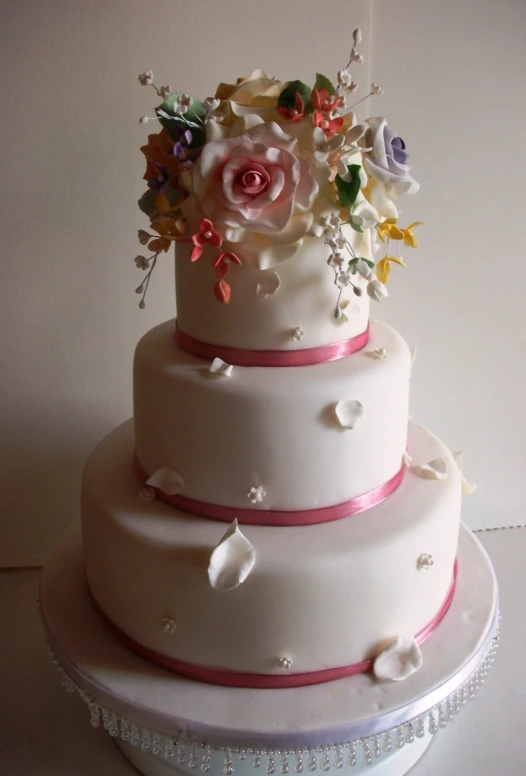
(432, 470)
(468, 488)
(268, 285)
(220, 367)
(167, 480)
(349, 412)
(399, 660)
(232, 560)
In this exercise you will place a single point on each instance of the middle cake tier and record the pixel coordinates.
(273, 438)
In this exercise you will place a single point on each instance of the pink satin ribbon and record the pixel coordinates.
(266, 681)
(240, 357)
(248, 516)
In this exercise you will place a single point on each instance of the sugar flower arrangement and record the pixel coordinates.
(255, 170)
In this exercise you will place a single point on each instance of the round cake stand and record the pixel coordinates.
(169, 725)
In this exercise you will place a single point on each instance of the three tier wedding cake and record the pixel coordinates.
(270, 518)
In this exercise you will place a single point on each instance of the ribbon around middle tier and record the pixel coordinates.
(278, 517)
(301, 357)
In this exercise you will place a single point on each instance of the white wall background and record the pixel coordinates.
(71, 175)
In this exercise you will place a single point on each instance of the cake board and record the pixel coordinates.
(168, 724)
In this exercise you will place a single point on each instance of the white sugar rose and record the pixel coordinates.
(388, 166)
(257, 187)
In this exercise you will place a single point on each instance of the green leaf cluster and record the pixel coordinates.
(188, 121)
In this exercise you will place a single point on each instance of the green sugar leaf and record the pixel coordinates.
(322, 82)
(348, 190)
(287, 98)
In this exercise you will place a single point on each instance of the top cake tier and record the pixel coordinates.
(290, 306)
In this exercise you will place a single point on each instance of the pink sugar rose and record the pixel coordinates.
(257, 183)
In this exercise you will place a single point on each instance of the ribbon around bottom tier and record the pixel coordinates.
(230, 678)
(300, 357)
(279, 517)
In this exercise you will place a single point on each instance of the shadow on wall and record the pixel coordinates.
(42, 457)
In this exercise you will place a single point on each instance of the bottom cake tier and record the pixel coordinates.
(319, 597)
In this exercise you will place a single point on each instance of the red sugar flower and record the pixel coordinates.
(329, 126)
(321, 100)
(293, 114)
(206, 235)
(222, 262)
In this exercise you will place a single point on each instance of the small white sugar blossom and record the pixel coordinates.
(146, 78)
(297, 333)
(325, 145)
(164, 92)
(256, 494)
(336, 260)
(375, 89)
(210, 104)
(355, 57)
(357, 36)
(345, 80)
(147, 494)
(141, 262)
(376, 290)
(343, 280)
(183, 103)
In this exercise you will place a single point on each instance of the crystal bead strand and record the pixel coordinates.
(420, 727)
(366, 751)
(409, 733)
(192, 759)
(297, 765)
(94, 710)
(206, 760)
(399, 738)
(135, 739)
(325, 764)
(311, 760)
(284, 764)
(156, 743)
(338, 756)
(271, 763)
(228, 765)
(377, 746)
(351, 757)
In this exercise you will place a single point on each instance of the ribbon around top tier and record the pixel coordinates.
(229, 678)
(279, 517)
(302, 357)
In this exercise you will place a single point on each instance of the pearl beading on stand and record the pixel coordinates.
(198, 755)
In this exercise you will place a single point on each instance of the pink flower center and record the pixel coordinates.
(252, 180)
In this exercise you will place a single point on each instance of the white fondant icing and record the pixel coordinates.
(232, 560)
(306, 294)
(220, 367)
(276, 421)
(432, 470)
(167, 480)
(349, 412)
(399, 660)
(363, 565)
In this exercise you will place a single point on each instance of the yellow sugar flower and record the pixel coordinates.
(389, 229)
(408, 236)
(383, 268)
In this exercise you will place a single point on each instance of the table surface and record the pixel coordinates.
(44, 730)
